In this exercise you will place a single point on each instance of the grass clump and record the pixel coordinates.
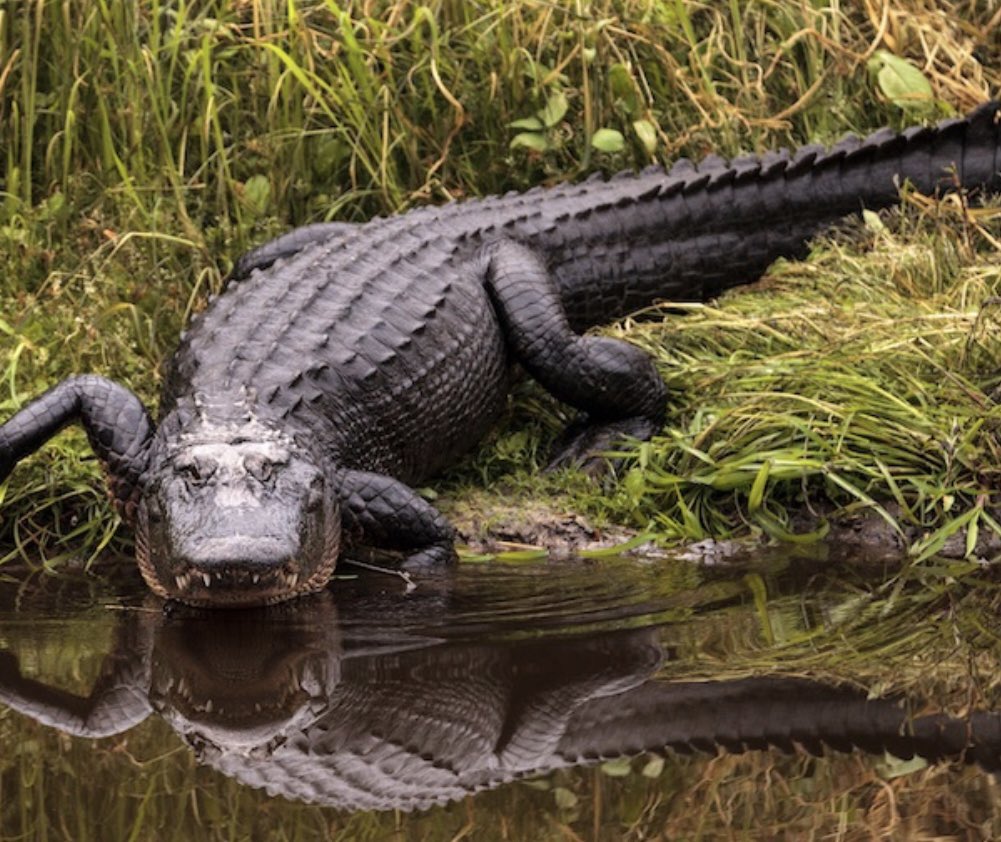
(146, 145)
(866, 377)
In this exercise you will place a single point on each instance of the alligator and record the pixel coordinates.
(345, 363)
(314, 706)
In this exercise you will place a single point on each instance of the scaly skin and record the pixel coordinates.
(346, 362)
(325, 712)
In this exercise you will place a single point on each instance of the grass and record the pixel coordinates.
(859, 378)
(146, 145)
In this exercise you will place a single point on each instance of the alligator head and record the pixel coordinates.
(236, 515)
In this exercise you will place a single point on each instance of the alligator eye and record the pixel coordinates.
(195, 470)
(259, 467)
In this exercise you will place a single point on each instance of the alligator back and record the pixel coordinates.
(382, 345)
(381, 348)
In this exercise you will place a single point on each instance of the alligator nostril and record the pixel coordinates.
(314, 497)
(251, 554)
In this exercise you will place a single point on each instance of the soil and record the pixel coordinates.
(488, 525)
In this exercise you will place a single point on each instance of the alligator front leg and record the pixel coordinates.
(110, 709)
(117, 424)
(118, 700)
(384, 514)
(614, 383)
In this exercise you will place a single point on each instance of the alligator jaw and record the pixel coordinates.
(235, 586)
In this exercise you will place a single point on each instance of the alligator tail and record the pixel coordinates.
(782, 713)
(956, 153)
(690, 232)
(817, 183)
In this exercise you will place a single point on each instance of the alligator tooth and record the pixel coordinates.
(179, 581)
(209, 706)
(256, 577)
(207, 579)
(293, 580)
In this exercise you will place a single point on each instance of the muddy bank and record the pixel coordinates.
(493, 526)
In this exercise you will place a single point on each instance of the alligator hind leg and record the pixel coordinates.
(116, 422)
(285, 246)
(384, 514)
(613, 383)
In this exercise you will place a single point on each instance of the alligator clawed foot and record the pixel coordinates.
(585, 446)
(426, 560)
(430, 559)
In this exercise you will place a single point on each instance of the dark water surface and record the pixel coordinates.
(611, 699)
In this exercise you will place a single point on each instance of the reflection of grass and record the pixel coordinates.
(146, 145)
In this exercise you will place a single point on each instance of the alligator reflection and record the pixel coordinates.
(318, 710)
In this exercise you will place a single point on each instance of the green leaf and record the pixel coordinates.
(516, 556)
(257, 193)
(620, 548)
(647, 134)
(617, 768)
(972, 533)
(932, 544)
(556, 106)
(530, 140)
(608, 140)
(757, 495)
(653, 767)
(565, 799)
(327, 154)
(620, 78)
(895, 767)
(531, 123)
(51, 207)
(469, 557)
(872, 221)
(900, 81)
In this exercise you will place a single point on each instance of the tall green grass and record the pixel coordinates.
(146, 145)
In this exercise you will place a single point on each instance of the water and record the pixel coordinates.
(612, 699)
